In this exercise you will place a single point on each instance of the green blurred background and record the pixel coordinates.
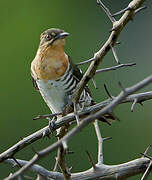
(21, 23)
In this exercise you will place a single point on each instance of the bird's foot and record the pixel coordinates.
(52, 124)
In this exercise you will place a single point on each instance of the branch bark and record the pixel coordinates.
(70, 117)
(141, 97)
(109, 108)
(117, 28)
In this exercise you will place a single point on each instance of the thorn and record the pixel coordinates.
(148, 149)
(113, 29)
(90, 160)
(140, 9)
(87, 61)
(147, 172)
(149, 157)
(121, 12)
(117, 43)
(104, 119)
(115, 54)
(108, 93)
(19, 165)
(106, 10)
(69, 152)
(115, 67)
(133, 104)
(46, 116)
(76, 114)
(122, 88)
(70, 169)
(107, 138)
(114, 116)
(94, 83)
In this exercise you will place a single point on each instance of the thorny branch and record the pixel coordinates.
(36, 168)
(109, 108)
(99, 170)
(100, 143)
(117, 28)
(69, 118)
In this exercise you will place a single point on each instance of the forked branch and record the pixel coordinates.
(83, 123)
(117, 28)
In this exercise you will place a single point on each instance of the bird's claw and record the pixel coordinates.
(52, 124)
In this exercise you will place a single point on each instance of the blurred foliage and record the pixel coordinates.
(21, 23)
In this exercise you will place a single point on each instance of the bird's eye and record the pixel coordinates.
(48, 36)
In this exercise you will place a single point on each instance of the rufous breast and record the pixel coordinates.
(50, 63)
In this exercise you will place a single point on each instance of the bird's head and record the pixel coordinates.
(53, 38)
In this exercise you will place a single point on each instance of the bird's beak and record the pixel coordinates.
(59, 36)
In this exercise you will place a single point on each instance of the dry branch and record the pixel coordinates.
(109, 108)
(70, 117)
(36, 168)
(99, 170)
(106, 172)
(117, 28)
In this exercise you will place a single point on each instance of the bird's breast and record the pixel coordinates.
(50, 66)
(54, 94)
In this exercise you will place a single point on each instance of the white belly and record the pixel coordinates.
(53, 94)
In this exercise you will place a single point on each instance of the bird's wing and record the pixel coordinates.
(33, 77)
(77, 73)
(34, 83)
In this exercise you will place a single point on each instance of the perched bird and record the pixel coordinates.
(54, 73)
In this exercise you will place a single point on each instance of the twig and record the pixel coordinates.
(140, 9)
(115, 54)
(107, 138)
(117, 28)
(147, 172)
(108, 93)
(83, 124)
(76, 113)
(106, 10)
(106, 172)
(127, 9)
(94, 83)
(133, 105)
(148, 149)
(121, 11)
(91, 160)
(46, 116)
(114, 67)
(36, 168)
(100, 143)
(15, 160)
(85, 62)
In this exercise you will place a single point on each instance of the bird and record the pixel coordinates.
(56, 76)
